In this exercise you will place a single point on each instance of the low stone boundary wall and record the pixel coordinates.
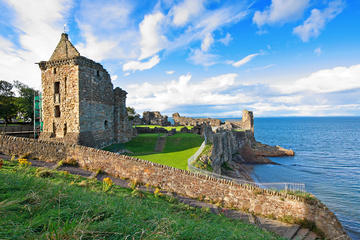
(16, 128)
(229, 194)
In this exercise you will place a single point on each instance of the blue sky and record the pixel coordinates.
(198, 57)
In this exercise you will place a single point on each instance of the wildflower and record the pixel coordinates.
(157, 192)
(24, 162)
(12, 158)
(107, 184)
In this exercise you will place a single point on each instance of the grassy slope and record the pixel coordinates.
(178, 148)
(58, 208)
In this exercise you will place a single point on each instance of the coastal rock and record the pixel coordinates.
(263, 150)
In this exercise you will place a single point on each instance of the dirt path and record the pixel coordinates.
(160, 144)
(288, 231)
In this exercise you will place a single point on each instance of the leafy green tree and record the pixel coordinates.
(25, 102)
(131, 113)
(8, 107)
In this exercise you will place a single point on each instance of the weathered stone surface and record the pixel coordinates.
(230, 194)
(246, 123)
(187, 121)
(79, 105)
(155, 118)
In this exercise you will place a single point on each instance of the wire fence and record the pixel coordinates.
(279, 186)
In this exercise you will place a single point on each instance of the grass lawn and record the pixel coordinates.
(178, 149)
(167, 128)
(64, 206)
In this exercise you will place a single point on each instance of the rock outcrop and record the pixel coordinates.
(236, 141)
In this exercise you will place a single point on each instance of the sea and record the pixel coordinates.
(327, 160)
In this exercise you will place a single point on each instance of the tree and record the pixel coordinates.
(131, 113)
(25, 102)
(8, 108)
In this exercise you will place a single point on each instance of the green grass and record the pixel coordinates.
(178, 149)
(178, 128)
(64, 206)
(204, 165)
(143, 143)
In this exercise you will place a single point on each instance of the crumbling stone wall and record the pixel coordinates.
(155, 118)
(79, 103)
(246, 123)
(228, 193)
(187, 121)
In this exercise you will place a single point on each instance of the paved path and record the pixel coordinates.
(288, 231)
(160, 143)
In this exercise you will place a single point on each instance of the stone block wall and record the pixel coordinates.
(67, 100)
(230, 194)
(188, 121)
(16, 128)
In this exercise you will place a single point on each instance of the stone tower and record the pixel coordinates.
(79, 103)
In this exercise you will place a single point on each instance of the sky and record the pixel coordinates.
(200, 57)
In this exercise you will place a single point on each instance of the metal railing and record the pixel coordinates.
(279, 186)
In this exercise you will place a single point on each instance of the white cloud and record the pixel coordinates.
(281, 11)
(317, 51)
(38, 33)
(114, 77)
(245, 60)
(326, 81)
(167, 95)
(107, 30)
(198, 57)
(184, 11)
(313, 25)
(207, 42)
(170, 72)
(152, 40)
(137, 65)
(226, 40)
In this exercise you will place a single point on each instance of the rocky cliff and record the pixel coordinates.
(235, 142)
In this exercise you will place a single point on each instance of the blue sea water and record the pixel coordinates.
(327, 160)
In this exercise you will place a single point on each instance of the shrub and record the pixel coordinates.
(1, 163)
(43, 173)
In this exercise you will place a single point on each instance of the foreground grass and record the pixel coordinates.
(64, 206)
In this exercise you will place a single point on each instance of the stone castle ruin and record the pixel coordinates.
(80, 105)
(155, 118)
(188, 121)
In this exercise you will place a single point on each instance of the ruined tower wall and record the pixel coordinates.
(79, 106)
(60, 92)
(122, 127)
(96, 105)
